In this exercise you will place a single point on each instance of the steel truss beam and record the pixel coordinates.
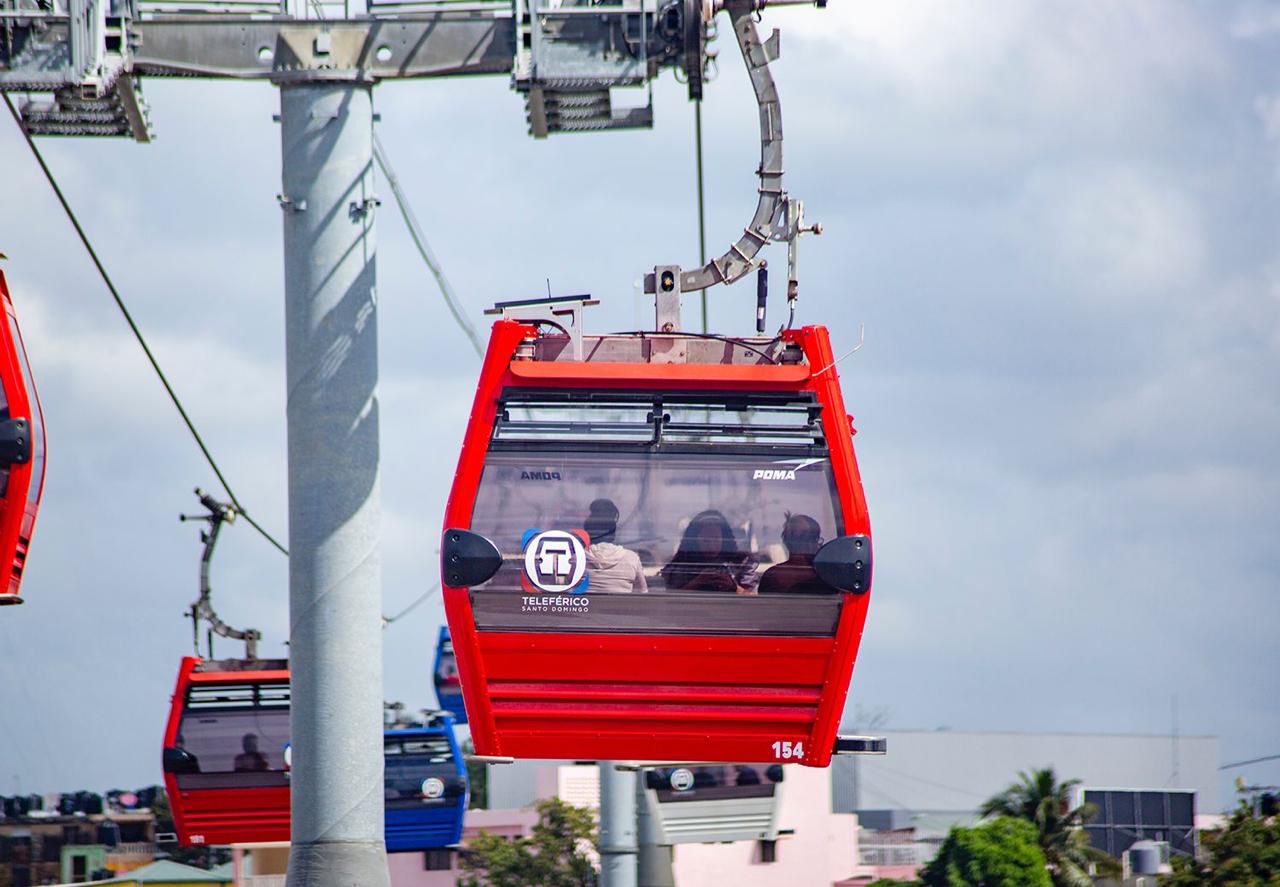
(439, 45)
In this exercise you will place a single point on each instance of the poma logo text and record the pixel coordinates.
(774, 474)
(539, 475)
(788, 473)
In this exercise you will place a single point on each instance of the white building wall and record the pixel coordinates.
(822, 850)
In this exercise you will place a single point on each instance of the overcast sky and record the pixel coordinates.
(1057, 221)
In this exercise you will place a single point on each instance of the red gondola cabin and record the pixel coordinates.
(225, 763)
(21, 452)
(656, 547)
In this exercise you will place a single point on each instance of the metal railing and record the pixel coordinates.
(250, 8)
(262, 881)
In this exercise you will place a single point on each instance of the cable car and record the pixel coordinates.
(426, 786)
(227, 757)
(22, 449)
(448, 684)
(657, 546)
(225, 766)
(710, 803)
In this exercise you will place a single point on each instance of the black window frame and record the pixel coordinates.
(506, 428)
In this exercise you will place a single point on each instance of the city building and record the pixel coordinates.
(907, 800)
(813, 845)
(50, 846)
(265, 865)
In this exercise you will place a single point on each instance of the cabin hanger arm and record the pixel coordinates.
(778, 217)
(202, 607)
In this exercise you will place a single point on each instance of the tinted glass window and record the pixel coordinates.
(1153, 809)
(1099, 800)
(718, 531)
(411, 762)
(1182, 809)
(1122, 808)
(715, 782)
(236, 729)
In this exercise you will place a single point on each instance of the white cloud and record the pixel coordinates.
(1255, 20)
(1119, 233)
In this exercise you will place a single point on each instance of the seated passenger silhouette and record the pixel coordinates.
(613, 568)
(178, 759)
(447, 673)
(803, 537)
(709, 559)
(250, 760)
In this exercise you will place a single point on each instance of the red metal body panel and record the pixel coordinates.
(20, 499)
(223, 815)
(655, 697)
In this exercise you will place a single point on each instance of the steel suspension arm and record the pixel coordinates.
(769, 219)
(202, 608)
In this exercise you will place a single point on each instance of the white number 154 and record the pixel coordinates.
(788, 750)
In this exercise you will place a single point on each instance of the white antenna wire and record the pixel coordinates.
(862, 337)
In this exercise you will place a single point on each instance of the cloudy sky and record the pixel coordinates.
(1056, 221)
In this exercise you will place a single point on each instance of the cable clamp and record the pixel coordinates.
(362, 209)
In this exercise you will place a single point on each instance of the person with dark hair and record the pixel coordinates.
(613, 569)
(709, 558)
(250, 759)
(803, 537)
(178, 760)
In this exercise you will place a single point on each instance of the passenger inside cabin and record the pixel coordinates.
(447, 673)
(614, 569)
(186, 762)
(803, 537)
(709, 559)
(250, 760)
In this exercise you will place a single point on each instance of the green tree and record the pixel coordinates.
(1243, 853)
(1040, 799)
(1001, 853)
(555, 855)
(477, 778)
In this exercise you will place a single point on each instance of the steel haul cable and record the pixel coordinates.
(419, 241)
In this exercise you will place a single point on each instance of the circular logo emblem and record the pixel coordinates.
(288, 755)
(682, 779)
(432, 788)
(555, 561)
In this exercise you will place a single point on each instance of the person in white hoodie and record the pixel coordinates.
(613, 568)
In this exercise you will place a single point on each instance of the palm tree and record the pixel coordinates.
(1040, 798)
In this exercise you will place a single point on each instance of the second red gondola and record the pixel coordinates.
(225, 745)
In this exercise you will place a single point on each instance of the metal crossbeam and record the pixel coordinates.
(438, 45)
(567, 58)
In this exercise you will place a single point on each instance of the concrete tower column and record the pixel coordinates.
(335, 571)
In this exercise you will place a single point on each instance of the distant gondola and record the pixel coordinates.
(448, 684)
(22, 452)
(426, 786)
(227, 758)
(711, 803)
